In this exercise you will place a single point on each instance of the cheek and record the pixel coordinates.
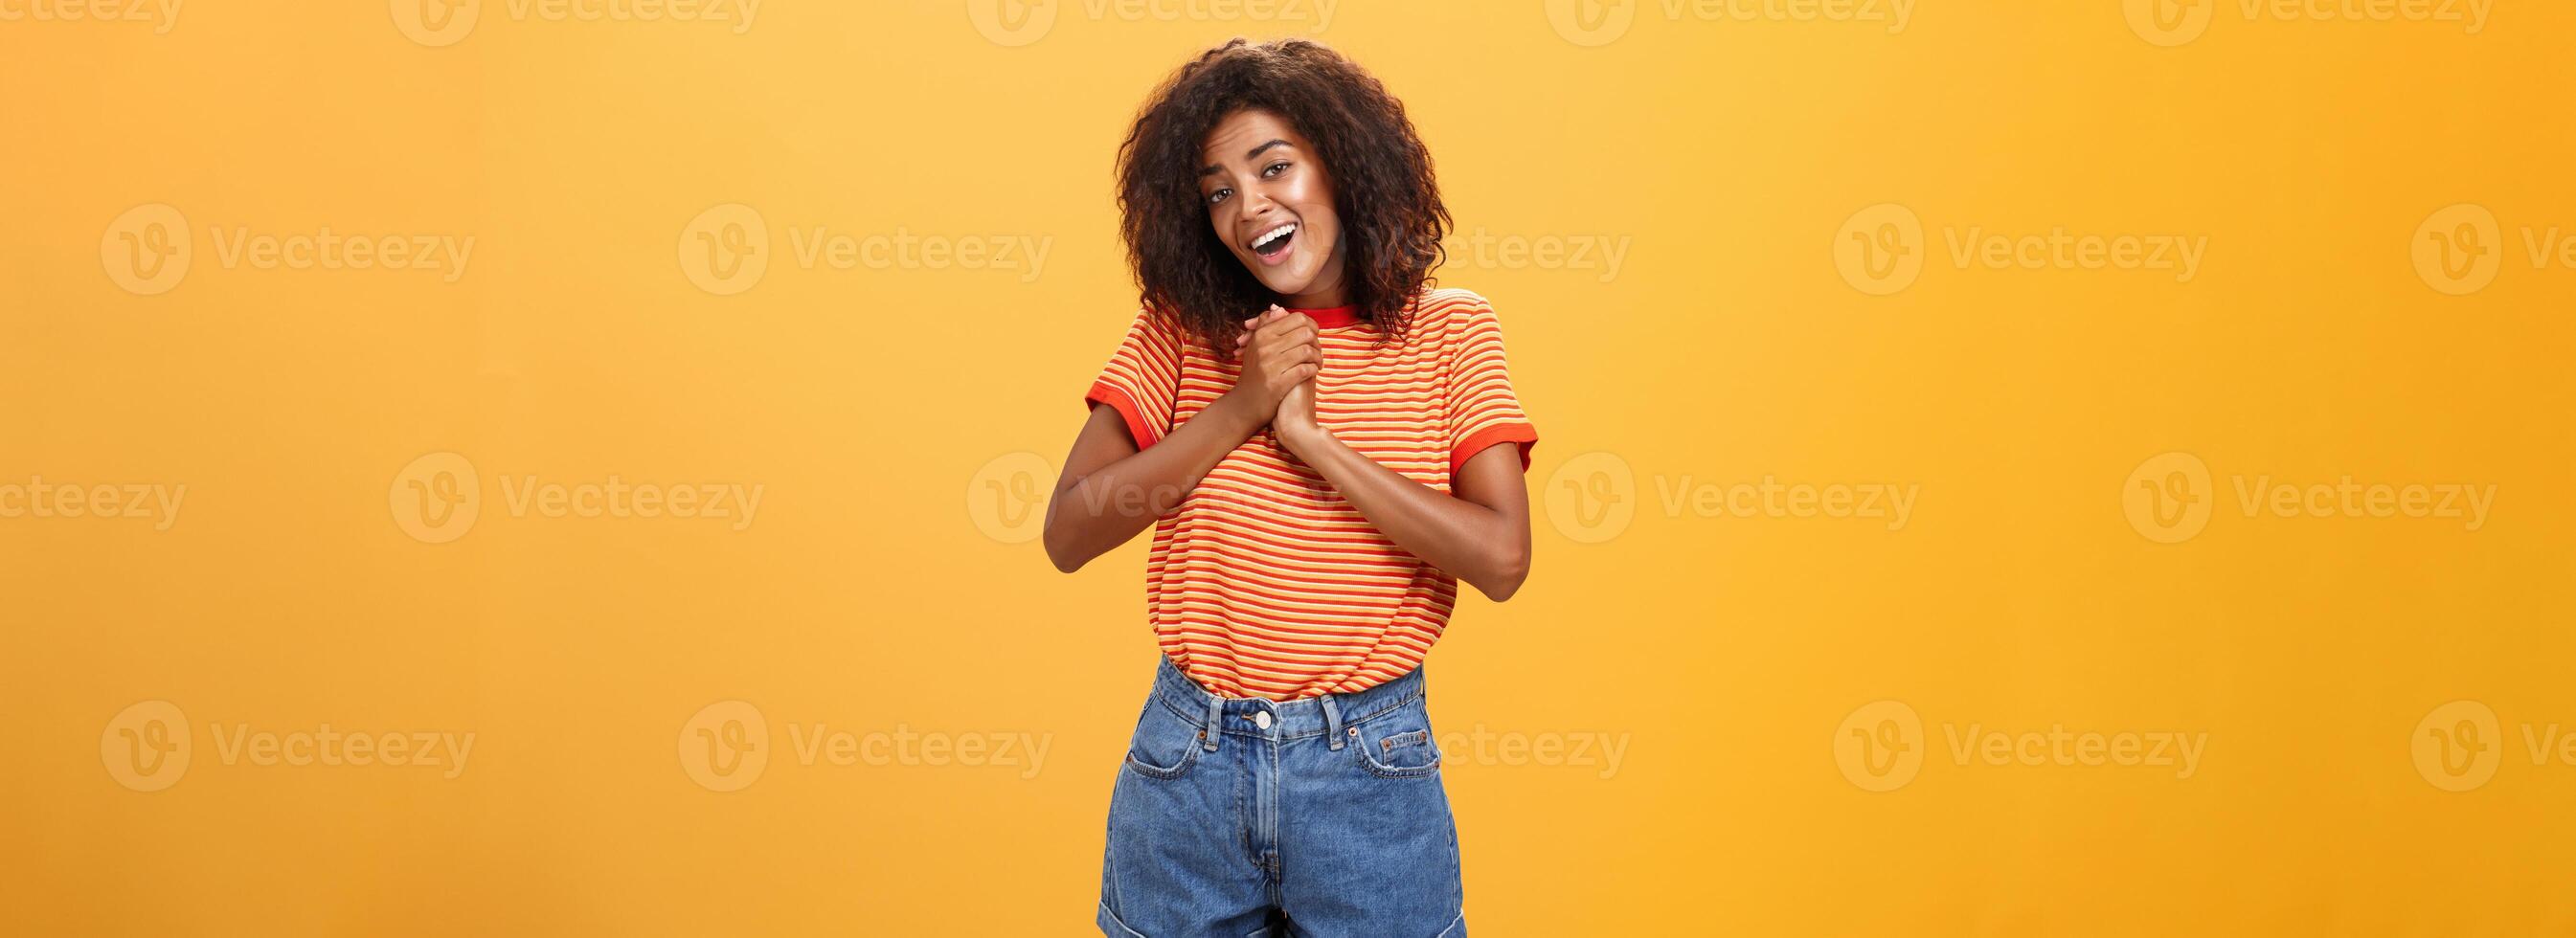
(1326, 226)
(1315, 199)
(1315, 208)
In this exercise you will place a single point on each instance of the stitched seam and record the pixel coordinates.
(1189, 757)
(1388, 771)
(1444, 933)
(1122, 923)
(1347, 722)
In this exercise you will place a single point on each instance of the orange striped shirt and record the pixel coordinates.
(1263, 581)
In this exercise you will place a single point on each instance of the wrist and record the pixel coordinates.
(1300, 435)
(1237, 415)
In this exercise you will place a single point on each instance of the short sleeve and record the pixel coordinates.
(1143, 377)
(1482, 409)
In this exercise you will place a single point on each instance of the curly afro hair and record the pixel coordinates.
(1384, 192)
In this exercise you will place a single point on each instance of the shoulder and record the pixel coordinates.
(1448, 311)
(1148, 317)
(1161, 326)
(1441, 302)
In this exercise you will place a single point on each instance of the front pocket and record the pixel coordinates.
(1396, 752)
(1164, 746)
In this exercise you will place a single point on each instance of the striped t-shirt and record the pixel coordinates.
(1263, 582)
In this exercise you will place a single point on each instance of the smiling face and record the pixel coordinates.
(1272, 205)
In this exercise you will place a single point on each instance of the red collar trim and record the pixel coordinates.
(1334, 318)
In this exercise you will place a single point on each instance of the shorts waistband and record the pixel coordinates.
(1263, 718)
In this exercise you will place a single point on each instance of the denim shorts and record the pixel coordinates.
(1322, 816)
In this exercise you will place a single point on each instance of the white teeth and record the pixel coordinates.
(1273, 234)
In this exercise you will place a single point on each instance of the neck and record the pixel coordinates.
(1328, 317)
(1326, 292)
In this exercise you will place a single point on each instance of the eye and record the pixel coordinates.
(1218, 196)
(1274, 169)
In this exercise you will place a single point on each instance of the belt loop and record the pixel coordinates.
(1332, 723)
(1215, 721)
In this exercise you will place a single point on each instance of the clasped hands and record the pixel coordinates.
(1281, 354)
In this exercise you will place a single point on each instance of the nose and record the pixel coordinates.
(1257, 203)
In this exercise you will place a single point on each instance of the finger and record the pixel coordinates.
(1288, 343)
(1282, 351)
(1253, 327)
(1265, 319)
(1285, 322)
(1285, 345)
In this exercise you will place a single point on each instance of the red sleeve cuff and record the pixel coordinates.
(1521, 433)
(1145, 434)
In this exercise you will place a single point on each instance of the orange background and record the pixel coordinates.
(891, 412)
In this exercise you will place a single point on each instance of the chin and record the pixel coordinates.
(1285, 280)
(1286, 287)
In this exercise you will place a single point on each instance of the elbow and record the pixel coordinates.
(1510, 572)
(1059, 552)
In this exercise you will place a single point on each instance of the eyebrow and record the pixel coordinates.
(1255, 151)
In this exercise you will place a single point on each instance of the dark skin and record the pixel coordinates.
(1260, 175)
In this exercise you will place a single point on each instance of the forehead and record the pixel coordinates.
(1242, 130)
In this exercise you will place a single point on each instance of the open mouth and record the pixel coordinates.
(1272, 245)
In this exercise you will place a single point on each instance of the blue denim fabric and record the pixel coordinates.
(1328, 821)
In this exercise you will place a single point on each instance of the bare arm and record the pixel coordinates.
(1110, 489)
(1481, 535)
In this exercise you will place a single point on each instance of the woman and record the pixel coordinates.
(1325, 447)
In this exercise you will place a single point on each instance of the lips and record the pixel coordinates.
(1271, 246)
